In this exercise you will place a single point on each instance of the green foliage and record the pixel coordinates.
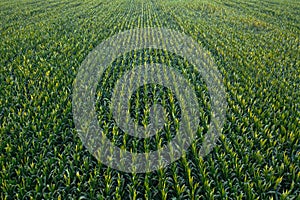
(256, 47)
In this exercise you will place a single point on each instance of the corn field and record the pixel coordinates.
(255, 46)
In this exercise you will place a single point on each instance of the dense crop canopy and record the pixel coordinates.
(256, 47)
